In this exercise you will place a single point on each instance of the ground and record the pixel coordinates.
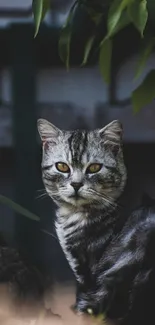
(58, 306)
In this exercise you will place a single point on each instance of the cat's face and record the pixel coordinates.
(83, 167)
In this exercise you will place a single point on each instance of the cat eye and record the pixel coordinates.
(93, 168)
(62, 167)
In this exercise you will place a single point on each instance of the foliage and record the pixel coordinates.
(40, 8)
(18, 208)
(141, 97)
(117, 14)
(22, 211)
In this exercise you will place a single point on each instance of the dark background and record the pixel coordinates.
(20, 150)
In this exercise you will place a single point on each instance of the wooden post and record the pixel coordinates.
(23, 74)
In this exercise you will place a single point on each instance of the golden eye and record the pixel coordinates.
(93, 168)
(62, 167)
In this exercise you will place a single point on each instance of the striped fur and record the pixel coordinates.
(105, 252)
(84, 226)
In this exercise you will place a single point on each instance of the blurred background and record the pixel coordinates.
(34, 83)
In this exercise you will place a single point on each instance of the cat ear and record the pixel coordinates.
(111, 135)
(47, 131)
(112, 132)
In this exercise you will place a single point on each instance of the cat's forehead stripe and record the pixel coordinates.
(77, 145)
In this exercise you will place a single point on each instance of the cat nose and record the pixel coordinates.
(76, 185)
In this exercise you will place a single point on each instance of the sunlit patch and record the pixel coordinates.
(90, 311)
(98, 319)
(101, 317)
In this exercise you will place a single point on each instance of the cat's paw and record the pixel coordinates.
(80, 311)
(75, 309)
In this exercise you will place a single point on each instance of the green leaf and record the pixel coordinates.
(144, 57)
(145, 93)
(105, 59)
(64, 45)
(88, 49)
(114, 15)
(46, 7)
(123, 22)
(40, 8)
(139, 14)
(18, 208)
(65, 38)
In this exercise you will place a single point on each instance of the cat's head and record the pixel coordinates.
(83, 168)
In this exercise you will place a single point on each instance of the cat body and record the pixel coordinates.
(111, 256)
(114, 265)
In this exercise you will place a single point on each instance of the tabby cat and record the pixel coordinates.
(113, 258)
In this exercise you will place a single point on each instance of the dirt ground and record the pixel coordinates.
(57, 311)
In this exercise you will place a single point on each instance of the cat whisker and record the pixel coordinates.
(42, 193)
(112, 204)
(49, 233)
(103, 197)
(41, 190)
(41, 196)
